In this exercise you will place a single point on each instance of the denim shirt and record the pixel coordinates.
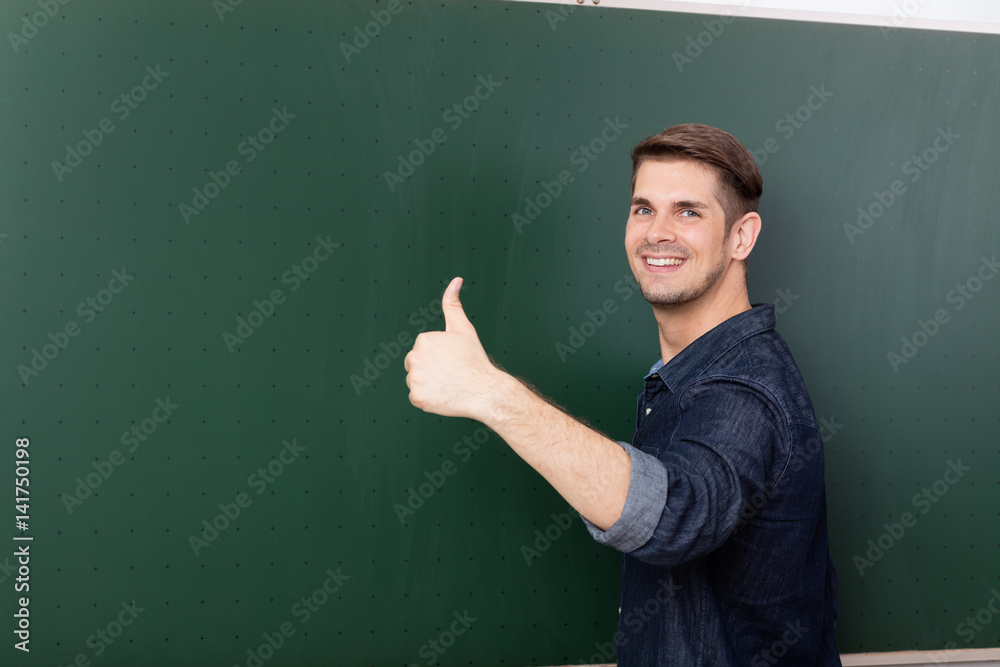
(723, 534)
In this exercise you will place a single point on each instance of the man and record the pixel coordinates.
(719, 504)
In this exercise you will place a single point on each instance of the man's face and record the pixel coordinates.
(675, 237)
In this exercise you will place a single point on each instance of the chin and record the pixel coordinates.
(668, 298)
(676, 294)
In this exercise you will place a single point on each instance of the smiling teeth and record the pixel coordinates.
(663, 262)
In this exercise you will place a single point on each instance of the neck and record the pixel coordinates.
(681, 324)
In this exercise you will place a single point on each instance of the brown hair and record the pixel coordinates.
(739, 182)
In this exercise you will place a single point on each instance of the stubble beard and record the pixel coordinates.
(672, 296)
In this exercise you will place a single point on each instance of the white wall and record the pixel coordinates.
(962, 15)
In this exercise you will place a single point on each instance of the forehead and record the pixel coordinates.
(675, 179)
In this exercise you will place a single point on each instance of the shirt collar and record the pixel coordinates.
(707, 348)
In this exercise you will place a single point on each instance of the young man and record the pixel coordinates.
(719, 504)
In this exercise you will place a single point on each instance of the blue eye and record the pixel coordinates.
(693, 213)
(639, 211)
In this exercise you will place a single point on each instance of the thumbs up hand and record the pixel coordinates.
(448, 372)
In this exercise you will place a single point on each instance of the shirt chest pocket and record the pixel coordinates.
(655, 426)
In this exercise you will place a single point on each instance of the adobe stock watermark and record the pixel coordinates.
(791, 635)
(581, 158)
(417, 497)
(927, 329)
(223, 7)
(249, 150)
(924, 501)
(132, 438)
(634, 619)
(372, 29)
(595, 319)
(435, 647)
(813, 447)
(544, 539)
(783, 300)
(695, 45)
(266, 307)
(455, 116)
(31, 23)
(915, 167)
(88, 309)
(257, 481)
(968, 629)
(122, 107)
(556, 17)
(788, 124)
(105, 637)
(899, 16)
(302, 612)
(976, 623)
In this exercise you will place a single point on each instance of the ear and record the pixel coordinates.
(743, 236)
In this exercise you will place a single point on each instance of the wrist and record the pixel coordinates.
(501, 399)
(518, 409)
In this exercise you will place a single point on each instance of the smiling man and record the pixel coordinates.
(718, 505)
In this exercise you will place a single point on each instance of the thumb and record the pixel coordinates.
(454, 315)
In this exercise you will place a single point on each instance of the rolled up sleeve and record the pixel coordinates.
(724, 445)
(647, 496)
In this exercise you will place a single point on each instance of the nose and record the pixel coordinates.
(661, 230)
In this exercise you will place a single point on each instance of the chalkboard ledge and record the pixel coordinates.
(977, 657)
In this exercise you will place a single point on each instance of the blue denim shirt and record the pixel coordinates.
(724, 538)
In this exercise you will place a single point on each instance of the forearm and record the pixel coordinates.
(449, 373)
(589, 470)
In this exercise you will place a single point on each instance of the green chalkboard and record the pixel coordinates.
(222, 224)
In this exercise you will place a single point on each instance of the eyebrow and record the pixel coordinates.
(684, 203)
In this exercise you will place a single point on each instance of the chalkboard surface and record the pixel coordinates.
(223, 223)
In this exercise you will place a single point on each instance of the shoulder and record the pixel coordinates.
(758, 370)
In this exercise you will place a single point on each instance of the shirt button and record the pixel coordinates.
(648, 410)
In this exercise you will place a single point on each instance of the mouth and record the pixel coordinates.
(662, 264)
